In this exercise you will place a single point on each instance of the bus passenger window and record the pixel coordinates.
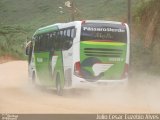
(37, 44)
(53, 38)
(68, 41)
(73, 33)
(57, 41)
(68, 33)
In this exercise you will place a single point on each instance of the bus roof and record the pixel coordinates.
(55, 27)
(47, 29)
(102, 21)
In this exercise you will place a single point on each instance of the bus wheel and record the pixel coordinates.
(68, 78)
(33, 78)
(59, 89)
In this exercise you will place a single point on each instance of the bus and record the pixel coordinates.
(63, 55)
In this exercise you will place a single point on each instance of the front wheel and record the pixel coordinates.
(59, 89)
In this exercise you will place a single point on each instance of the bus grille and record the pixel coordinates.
(102, 52)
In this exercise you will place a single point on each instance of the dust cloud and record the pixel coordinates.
(17, 95)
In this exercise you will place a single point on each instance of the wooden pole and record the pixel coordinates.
(72, 10)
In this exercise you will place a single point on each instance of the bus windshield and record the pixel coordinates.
(103, 32)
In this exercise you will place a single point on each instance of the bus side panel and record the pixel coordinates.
(59, 68)
(43, 68)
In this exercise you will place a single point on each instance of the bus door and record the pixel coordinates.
(42, 53)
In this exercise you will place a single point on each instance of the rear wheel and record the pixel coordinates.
(33, 78)
(59, 89)
(68, 78)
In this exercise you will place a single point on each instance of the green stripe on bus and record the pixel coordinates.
(46, 30)
(104, 43)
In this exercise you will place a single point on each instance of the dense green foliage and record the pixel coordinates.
(38, 13)
(12, 40)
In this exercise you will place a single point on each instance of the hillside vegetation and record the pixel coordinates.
(146, 39)
(38, 13)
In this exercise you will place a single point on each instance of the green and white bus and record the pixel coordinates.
(66, 54)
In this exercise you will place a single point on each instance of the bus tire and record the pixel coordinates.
(59, 89)
(68, 78)
(33, 78)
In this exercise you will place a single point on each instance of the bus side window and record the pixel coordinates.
(73, 33)
(61, 39)
(64, 33)
(43, 42)
(36, 46)
(68, 41)
(53, 39)
(40, 43)
(57, 41)
(48, 42)
(68, 34)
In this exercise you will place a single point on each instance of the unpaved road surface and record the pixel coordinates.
(18, 96)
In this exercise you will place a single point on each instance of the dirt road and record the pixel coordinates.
(18, 96)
